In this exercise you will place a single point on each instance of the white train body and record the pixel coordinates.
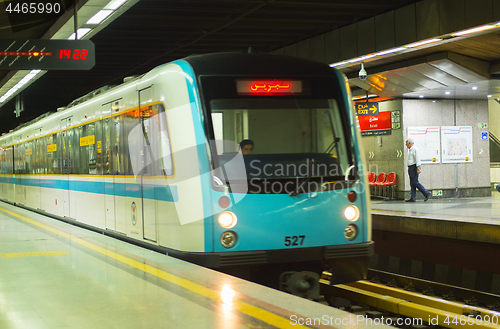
(136, 161)
(84, 200)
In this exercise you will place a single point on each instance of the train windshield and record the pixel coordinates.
(282, 140)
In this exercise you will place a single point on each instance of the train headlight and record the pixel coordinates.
(351, 232)
(227, 219)
(351, 213)
(228, 239)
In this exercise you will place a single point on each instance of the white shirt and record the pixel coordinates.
(413, 157)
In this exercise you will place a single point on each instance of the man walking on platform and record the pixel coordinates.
(413, 171)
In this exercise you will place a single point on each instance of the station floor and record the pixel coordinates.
(54, 275)
(484, 210)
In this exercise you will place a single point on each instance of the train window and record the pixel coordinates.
(63, 151)
(6, 160)
(107, 147)
(218, 123)
(165, 146)
(130, 120)
(11, 159)
(126, 167)
(9, 153)
(288, 134)
(73, 160)
(157, 138)
(115, 146)
(86, 141)
(16, 159)
(149, 147)
(3, 160)
(99, 147)
(39, 156)
(27, 161)
(52, 157)
(22, 166)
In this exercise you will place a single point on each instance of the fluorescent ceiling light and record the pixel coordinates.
(99, 17)
(81, 32)
(339, 64)
(474, 88)
(421, 43)
(447, 92)
(364, 96)
(113, 4)
(421, 96)
(489, 96)
(361, 58)
(474, 30)
(18, 85)
(390, 51)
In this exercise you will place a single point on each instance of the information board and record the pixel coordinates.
(375, 125)
(427, 142)
(44, 54)
(456, 144)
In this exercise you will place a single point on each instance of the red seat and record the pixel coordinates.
(371, 177)
(391, 179)
(390, 182)
(380, 179)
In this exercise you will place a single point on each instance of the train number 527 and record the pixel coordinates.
(294, 240)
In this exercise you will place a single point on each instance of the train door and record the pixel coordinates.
(109, 183)
(149, 149)
(22, 166)
(118, 144)
(39, 167)
(65, 162)
(111, 164)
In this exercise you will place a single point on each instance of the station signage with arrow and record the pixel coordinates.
(367, 108)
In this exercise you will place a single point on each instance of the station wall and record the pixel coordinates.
(381, 151)
(454, 180)
(494, 128)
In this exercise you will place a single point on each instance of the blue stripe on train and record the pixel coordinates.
(163, 193)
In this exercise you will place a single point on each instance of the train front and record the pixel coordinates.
(288, 194)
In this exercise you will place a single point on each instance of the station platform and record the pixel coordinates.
(471, 219)
(451, 241)
(54, 275)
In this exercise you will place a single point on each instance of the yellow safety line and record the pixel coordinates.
(253, 311)
(34, 253)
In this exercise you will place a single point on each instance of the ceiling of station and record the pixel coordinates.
(154, 32)
(461, 68)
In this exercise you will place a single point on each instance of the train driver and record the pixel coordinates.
(246, 146)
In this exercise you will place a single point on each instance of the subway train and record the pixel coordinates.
(157, 161)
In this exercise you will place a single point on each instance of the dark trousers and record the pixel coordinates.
(414, 184)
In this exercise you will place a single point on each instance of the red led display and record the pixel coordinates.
(76, 54)
(268, 87)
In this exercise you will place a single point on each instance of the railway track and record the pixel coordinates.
(408, 303)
